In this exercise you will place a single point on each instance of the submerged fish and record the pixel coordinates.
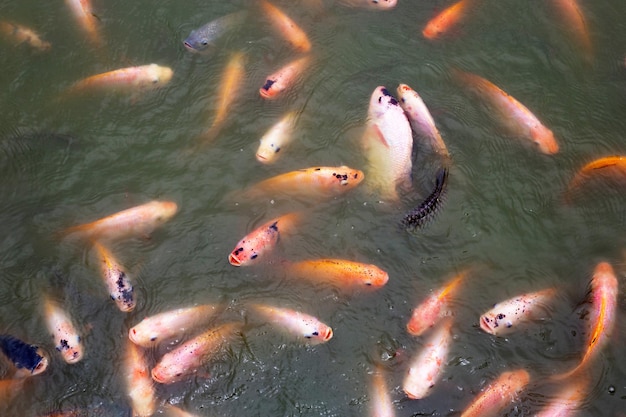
(66, 338)
(20, 34)
(136, 221)
(204, 38)
(28, 359)
(339, 272)
(428, 209)
(295, 322)
(116, 279)
(276, 138)
(286, 27)
(512, 115)
(388, 144)
(261, 240)
(504, 317)
(139, 385)
(186, 358)
(87, 20)
(284, 78)
(448, 18)
(382, 405)
(433, 308)
(609, 165)
(568, 400)
(575, 22)
(426, 368)
(498, 394)
(168, 324)
(371, 4)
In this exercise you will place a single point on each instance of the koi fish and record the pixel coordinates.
(297, 323)
(203, 39)
(87, 20)
(498, 394)
(513, 115)
(382, 406)
(29, 360)
(388, 144)
(314, 182)
(19, 34)
(443, 22)
(506, 315)
(575, 22)
(276, 138)
(66, 338)
(340, 272)
(428, 209)
(426, 368)
(136, 221)
(611, 165)
(371, 4)
(433, 308)
(567, 401)
(168, 324)
(284, 78)
(261, 240)
(116, 279)
(139, 384)
(228, 88)
(286, 27)
(133, 79)
(604, 292)
(187, 357)
(421, 120)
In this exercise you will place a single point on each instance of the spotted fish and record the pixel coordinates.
(426, 211)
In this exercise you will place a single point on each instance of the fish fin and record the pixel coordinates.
(427, 209)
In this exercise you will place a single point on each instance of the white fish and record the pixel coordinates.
(276, 138)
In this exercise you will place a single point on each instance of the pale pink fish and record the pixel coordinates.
(20, 34)
(378, 5)
(66, 338)
(186, 358)
(388, 144)
(421, 120)
(433, 308)
(568, 400)
(297, 323)
(87, 20)
(137, 221)
(277, 138)
(116, 279)
(380, 396)
(506, 315)
(426, 368)
(169, 324)
(604, 292)
(575, 21)
(139, 384)
(498, 394)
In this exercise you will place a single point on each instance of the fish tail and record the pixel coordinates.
(425, 212)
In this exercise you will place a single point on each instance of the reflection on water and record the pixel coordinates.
(67, 162)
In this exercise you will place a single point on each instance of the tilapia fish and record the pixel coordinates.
(428, 209)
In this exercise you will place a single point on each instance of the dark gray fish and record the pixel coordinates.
(426, 211)
(25, 357)
(203, 39)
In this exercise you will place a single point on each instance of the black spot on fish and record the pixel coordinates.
(268, 84)
(63, 345)
(238, 251)
(501, 316)
(393, 101)
(21, 354)
(153, 338)
(315, 333)
(274, 226)
(254, 256)
(277, 150)
(385, 92)
(426, 211)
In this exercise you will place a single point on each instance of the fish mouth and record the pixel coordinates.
(234, 261)
(485, 325)
(414, 328)
(42, 365)
(328, 334)
(189, 47)
(157, 377)
(73, 356)
(260, 157)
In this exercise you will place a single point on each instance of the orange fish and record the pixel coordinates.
(261, 240)
(165, 325)
(604, 292)
(575, 21)
(66, 339)
(83, 12)
(284, 25)
(512, 114)
(279, 81)
(506, 315)
(136, 221)
(131, 79)
(308, 182)
(340, 272)
(186, 358)
(19, 34)
(498, 394)
(297, 323)
(139, 384)
(612, 165)
(382, 405)
(433, 308)
(230, 82)
(445, 20)
(115, 278)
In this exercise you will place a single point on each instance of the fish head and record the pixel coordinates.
(164, 374)
(240, 256)
(198, 42)
(164, 210)
(270, 89)
(377, 279)
(321, 334)
(494, 323)
(544, 138)
(71, 354)
(345, 177)
(432, 30)
(383, 4)
(380, 102)
(42, 365)
(142, 335)
(158, 75)
(267, 151)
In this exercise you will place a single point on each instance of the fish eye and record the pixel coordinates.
(306, 336)
(153, 338)
(204, 42)
(155, 80)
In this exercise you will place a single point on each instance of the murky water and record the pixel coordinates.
(65, 162)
